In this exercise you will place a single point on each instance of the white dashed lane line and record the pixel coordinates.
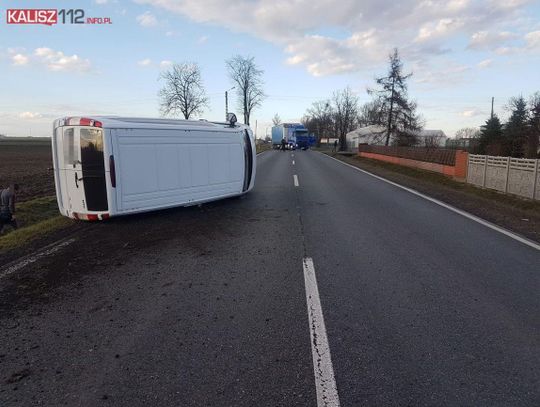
(295, 178)
(325, 382)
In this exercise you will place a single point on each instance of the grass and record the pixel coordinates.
(36, 218)
(263, 147)
(24, 141)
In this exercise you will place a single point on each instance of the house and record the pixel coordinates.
(375, 135)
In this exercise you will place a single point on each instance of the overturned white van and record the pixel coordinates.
(111, 166)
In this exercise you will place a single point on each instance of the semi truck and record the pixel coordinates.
(295, 135)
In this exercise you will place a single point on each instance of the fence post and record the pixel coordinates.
(485, 171)
(535, 178)
(507, 174)
(467, 179)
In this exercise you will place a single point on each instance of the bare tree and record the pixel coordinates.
(183, 91)
(319, 120)
(249, 83)
(433, 139)
(276, 120)
(467, 133)
(345, 106)
(372, 113)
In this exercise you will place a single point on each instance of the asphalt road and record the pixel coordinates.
(207, 306)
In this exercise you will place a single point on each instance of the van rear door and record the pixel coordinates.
(71, 172)
(82, 170)
(93, 169)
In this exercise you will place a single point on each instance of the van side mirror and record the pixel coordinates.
(231, 118)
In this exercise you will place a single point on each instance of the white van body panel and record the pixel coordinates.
(161, 164)
(159, 168)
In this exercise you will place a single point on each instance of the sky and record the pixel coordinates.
(461, 53)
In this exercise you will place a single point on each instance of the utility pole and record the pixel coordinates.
(492, 100)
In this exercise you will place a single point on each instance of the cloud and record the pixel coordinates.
(52, 60)
(147, 20)
(484, 64)
(485, 40)
(165, 64)
(19, 59)
(457, 5)
(202, 40)
(532, 40)
(30, 115)
(58, 61)
(326, 56)
(447, 73)
(443, 27)
(101, 1)
(506, 50)
(472, 112)
(509, 4)
(145, 62)
(366, 30)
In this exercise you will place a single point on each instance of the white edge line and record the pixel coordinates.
(295, 178)
(48, 250)
(449, 207)
(325, 382)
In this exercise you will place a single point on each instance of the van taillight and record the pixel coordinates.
(112, 171)
(82, 121)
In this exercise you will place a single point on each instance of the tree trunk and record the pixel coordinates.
(389, 126)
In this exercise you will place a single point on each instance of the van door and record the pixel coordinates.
(83, 171)
(93, 169)
(59, 171)
(74, 200)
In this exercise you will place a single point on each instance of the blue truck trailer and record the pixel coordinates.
(277, 136)
(295, 135)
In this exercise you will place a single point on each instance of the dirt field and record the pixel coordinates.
(27, 161)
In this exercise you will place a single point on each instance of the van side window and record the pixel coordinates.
(70, 156)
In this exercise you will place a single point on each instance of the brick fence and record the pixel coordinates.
(449, 162)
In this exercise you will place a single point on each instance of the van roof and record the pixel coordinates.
(146, 122)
